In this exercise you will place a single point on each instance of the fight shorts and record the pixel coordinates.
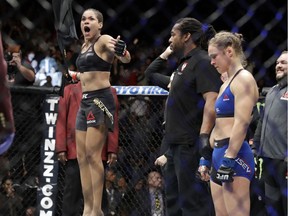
(97, 108)
(244, 162)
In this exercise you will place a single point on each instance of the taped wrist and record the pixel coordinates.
(204, 162)
(120, 48)
(204, 146)
(74, 76)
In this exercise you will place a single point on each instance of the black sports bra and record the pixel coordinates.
(90, 61)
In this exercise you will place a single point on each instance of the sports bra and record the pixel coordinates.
(90, 61)
(224, 105)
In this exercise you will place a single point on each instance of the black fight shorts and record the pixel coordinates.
(97, 108)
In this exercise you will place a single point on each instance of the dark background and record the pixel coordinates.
(147, 23)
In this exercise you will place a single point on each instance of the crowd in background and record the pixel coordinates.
(40, 49)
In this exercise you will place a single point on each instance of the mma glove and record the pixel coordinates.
(225, 172)
(120, 48)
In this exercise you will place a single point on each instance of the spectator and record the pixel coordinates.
(30, 211)
(156, 193)
(20, 71)
(48, 64)
(48, 82)
(122, 186)
(26, 108)
(10, 201)
(271, 135)
(66, 147)
(112, 191)
(136, 201)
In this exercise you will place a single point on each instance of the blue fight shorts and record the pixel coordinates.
(97, 107)
(244, 162)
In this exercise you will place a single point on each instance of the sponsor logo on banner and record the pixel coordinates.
(47, 192)
(140, 90)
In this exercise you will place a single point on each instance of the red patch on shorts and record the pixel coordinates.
(90, 116)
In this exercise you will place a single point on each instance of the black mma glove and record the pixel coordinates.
(120, 48)
(225, 172)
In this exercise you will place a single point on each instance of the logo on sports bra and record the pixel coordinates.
(226, 98)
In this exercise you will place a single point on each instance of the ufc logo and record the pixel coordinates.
(222, 177)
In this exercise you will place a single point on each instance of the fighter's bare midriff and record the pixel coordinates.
(92, 81)
(222, 128)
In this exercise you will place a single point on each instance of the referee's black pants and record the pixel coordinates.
(186, 195)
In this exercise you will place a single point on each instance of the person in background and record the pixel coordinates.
(111, 190)
(20, 71)
(189, 112)
(95, 116)
(232, 159)
(26, 110)
(7, 128)
(10, 200)
(156, 193)
(30, 211)
(67, 151)
(270, 141)
(136, 201)
(48, 82)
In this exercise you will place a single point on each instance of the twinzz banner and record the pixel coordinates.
(47, 192)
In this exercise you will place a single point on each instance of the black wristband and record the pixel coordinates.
(204, 146)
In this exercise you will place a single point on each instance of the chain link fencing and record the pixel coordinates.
(140, 135)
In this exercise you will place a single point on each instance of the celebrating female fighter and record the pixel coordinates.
(95, 116)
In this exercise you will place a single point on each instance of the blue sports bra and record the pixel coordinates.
(90, 61)
(224, 105)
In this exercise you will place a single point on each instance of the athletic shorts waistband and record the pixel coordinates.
(221, 143)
